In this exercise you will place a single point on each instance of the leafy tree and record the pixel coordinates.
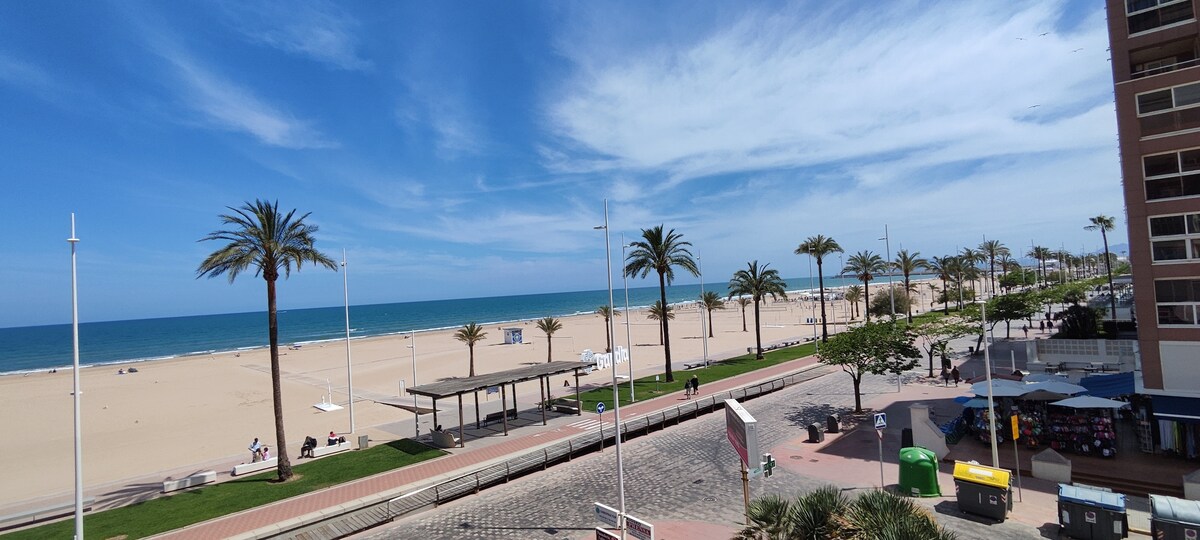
(865, 265)
(710, 300)
(608, 314)
(661, 252)
(854, 295)
(1011, 307)
(1018, 277)
(1104, 224)
(991, 250)
(471, 334)
(742, 302)
(818, 247)
(1078, 322)
(908, 263)
(937, 334)
(881, 305)
(549, 325)
(660, 312)
(877, 348)
(262, 239)
(757, 282)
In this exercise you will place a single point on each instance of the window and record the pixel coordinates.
(1177, 300)
(1146, 15)
(1169, 110)
(1176, 174)
(1175, 238)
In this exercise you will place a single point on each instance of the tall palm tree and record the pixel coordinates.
(660, 312)
(854, 295)
(969, 258)
(743, 302)
(992, 250)
(865, 265)
(608, 313)
(549, 325)
(262, 239)
(818, 247)
(1104, 224)
(710, 300)
(933, 290)
(943, 268)
(661, 252)
(908, 263)
(757, 282)
(471, 334)
(1040, 253)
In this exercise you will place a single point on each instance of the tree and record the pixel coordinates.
(471, 334)
(660, 312)
(818, 247)
(877, 348)
(937, 334)
(865, 265)
(710, 300)
(827, 514)
(661, 252)
(1078, 322)
(881, 304)
(854, 295)
(263, 239)
(1040, 254)
(1104, 224)
(549, 325)
(1012, 307)
(908, 263)
(608, 314)
(968, 258)
(757, 282)
(742, 301)
(991, 250)
(942, 267)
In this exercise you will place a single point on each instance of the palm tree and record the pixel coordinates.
(1040, 254)
(660, 312)
(267, 241)
(710, 300)
(607, 313)
(743, 302)
(943, 268)
(864, 265)
(854, 295)
(471, 334)
(549, 325)
(992, 250)
(933, 290)
(969, 257)
(660, 253)
(1104, 224)
(757, 282)
(818, 247)
(907, 264)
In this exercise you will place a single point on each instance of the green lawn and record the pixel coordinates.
(193, 506)
(646, 388)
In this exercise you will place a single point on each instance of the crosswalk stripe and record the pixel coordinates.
(588, 424)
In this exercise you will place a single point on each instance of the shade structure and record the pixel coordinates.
(1039, 377)
(1058, 387)
(1000, 391)
(1043, 395)
(976, 403)
(1090, 402)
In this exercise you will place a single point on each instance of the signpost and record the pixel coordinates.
(639, 529)
(880, 425)
(642, 530)
(600, 411)
(602, 534)
(608, 514)
(742, 431)
(1016, 434)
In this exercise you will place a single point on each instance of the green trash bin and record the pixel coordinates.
(918, 472)
(1174, 519)
(1088, 513)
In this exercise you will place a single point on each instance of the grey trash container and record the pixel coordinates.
(983, 491)
(1174, 519)
(815, 435)
(362, 442)
(833, 424)
(1091, 514)
(906, 438)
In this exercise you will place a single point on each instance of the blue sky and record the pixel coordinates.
(465, 149)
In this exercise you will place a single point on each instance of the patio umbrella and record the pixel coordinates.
(999, 390)
(1043, 395)
(1059, 387)
(1090, 402)
(976, 403)
(1039, 377)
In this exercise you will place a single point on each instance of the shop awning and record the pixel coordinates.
(1116, 384)
(1176, 408)
(1090, 402)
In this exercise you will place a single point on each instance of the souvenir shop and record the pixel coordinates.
(1081, 425)
(1176, 426)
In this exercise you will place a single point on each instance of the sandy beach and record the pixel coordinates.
(175, 417)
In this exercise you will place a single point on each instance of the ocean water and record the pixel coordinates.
(40, 348)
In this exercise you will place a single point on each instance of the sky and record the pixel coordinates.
(465, 149)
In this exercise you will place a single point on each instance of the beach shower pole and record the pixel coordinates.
(616, 402)
(349, 373)
(703, 311)
(77, 391)
(416, 413)
(628, 339)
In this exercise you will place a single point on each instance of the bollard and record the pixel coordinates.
(833, 424)
(815, 435)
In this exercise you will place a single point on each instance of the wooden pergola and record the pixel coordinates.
(502, 379)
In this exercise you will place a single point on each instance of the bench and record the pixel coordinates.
(567, 406)
(499, 415)
(326, 450)
(693, 365)
(187, 482)
(44, 513)
(263, 465)
(444, 439)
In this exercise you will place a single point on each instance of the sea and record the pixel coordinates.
(41, 348)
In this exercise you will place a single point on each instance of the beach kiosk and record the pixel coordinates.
(1088, 513)
(918, 472)
(983, 491)
(1174, 519)
(512, 336)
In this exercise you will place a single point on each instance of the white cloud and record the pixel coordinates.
(317, 30)
(455, 131)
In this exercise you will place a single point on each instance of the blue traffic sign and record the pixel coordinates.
(880, 420)
(600, 408)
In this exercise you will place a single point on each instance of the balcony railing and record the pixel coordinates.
(1164, 69)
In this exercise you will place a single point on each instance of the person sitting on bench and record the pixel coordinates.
(333, 438)
(307, 450)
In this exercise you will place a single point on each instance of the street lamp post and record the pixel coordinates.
(416, 412)
(608, 327)
(987, 367)
(887, 243)
(628, 339)
(349, 373)
(77, 391)
(703, 311)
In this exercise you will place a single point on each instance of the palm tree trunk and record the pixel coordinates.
(666, 330)
(607, 337)
(744, 318)
(285, 467)
(549, 348)
(946, 297)
(710, 332)
(992, 272)
(757, 332)
(867, 299)
(471, 348)
(821, 291)
(1112, 293)
(909, 304)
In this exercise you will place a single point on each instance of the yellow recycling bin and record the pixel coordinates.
(983, 491)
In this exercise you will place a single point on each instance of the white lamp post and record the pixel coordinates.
(887, 243)
(608, 327)
(349, 373)
(628, 339)
(987, 367)
(703, 311)
(75, 375)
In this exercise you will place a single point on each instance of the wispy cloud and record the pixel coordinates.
(25, 75)
(444, 113)
(317, 30)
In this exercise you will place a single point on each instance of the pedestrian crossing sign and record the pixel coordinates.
(880, 420)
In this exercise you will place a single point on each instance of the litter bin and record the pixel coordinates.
(1174, 519)
(918, 472)
(362, 442)
(1091, 514)
(906, 438)
(833, 424)
(815, 435)
(983, 491)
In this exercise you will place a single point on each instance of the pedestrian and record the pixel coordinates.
(265, 453)
(1049, 325)
(254, 446)
(1042, 326)
(955, 375)
(695, 385)
(687, 389)
(566, 384)
(1025, 328)
(945, 376)
(333, 439)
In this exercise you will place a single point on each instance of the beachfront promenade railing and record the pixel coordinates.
(373, 514)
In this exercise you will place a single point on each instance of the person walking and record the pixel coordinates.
(955, 375)
(687, 389)
(695, 385)
(1025, 328)
(254, 447)
(945, 376)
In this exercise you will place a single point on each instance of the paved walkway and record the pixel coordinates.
(284, 514)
